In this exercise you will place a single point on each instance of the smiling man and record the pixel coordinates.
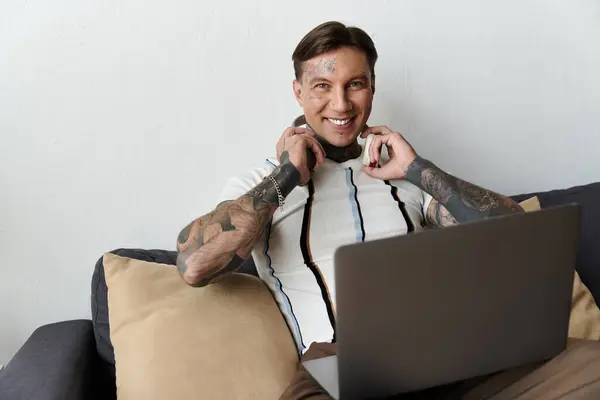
(292, 214)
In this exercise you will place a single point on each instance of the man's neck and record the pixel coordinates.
(334, 153)
(340, 154)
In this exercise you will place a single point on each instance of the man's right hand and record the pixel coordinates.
(299, 147)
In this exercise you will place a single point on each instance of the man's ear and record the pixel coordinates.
(298, 94)
(373, 84)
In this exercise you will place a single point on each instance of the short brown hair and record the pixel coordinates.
(330, 36)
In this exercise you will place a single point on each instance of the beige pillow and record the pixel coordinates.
(585, 315)
(171, 341)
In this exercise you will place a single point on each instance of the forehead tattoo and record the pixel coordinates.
(329, 66)
(326, 66)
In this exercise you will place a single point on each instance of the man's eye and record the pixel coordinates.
(356, 84)
(321, 86)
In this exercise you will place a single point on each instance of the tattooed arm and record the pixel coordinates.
(220, 241)
(455, 200)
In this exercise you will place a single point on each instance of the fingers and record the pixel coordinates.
(291, 131)
(384, 172)
(279, 147)
(376, 130)
(376, 144)
(306, 141)
(375, 172)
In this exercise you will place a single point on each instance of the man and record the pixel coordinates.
(292, 214)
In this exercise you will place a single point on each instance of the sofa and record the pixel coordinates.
(75, 359)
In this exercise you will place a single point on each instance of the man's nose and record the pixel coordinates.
(340, 101)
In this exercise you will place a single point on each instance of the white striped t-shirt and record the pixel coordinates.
(341, 205)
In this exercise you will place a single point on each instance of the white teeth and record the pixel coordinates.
(339, 121)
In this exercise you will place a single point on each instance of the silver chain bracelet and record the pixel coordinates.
(280, 198)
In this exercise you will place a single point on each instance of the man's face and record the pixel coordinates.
(336, 92)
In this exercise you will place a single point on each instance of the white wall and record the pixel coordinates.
(120, 121)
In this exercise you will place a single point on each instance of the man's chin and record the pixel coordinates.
(338, 137)
(340, 140)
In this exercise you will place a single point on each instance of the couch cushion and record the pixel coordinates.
(99, 295)
(588, 259)
(224, 341)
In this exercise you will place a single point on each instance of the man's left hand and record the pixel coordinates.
(401, 154)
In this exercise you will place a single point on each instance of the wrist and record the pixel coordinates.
(416, 168)
(418, 171)
(287, 177)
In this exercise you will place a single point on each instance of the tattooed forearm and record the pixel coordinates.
(456, 200)
(219, 242)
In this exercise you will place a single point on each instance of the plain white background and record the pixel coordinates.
(120, 121)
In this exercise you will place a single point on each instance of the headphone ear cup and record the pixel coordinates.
(299, 121)
(366, 160)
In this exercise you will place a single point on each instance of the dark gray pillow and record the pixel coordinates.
(588, 258)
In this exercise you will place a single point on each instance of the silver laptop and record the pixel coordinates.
(444, 305)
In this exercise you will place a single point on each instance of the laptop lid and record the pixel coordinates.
(443, 305)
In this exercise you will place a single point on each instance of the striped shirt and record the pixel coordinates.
(339, 206)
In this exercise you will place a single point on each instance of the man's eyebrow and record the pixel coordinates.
(362, 75)
(315, 78)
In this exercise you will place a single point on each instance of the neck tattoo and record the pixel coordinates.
(334, 153)
(340, 154)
